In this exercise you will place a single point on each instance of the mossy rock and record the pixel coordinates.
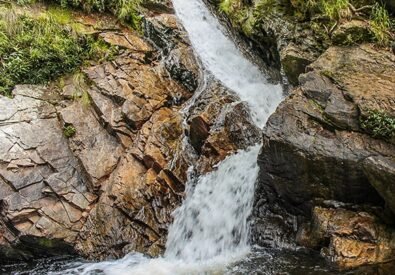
(351, 33)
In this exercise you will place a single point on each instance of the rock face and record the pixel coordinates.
(355, 237)
(43, 190)
(315, 152)
(97, 165)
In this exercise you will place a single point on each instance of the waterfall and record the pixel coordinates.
(220, 56)
(212, 222)
(210, 229)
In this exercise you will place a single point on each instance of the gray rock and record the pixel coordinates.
(380, 171)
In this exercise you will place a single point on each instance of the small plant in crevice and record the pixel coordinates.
(99, 50)
(69, 130)
(379, 124)
(81, 89)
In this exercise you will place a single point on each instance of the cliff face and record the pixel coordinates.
(95, 164)
(328, 156)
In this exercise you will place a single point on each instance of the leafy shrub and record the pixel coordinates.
(332, 9)
(335, 9)
(379, 124)
(99, 50)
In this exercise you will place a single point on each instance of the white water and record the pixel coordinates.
(210, 229)
(221, 57)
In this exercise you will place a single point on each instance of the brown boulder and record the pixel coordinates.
(355, 238)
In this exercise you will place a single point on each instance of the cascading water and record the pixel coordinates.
(221, 57)
(210, 229)
(212, 222)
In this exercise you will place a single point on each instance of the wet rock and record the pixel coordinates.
(364, 73)
(199, 132)
(164, 31)
(294, 62)
(317, 87)
(351, 238)
(380, 171)
(283, 42)
(228, 126)
(98, 152)
(111, 186)
(341, 112)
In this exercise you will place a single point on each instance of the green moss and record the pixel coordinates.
(335, 9)
(328, 74)
(379, 124)
(47, 243)
(25, 2)
(316, 105)
(81, 89)
(69, 131)
(60, 15)
(244, 16)
(226, 6)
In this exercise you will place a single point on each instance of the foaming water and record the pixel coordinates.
(220, 56)
(212, 221)
(210, 229)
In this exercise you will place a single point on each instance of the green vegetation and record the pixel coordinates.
(38, 49)
(81, 89)
(34, 50)
(99, 50)
(323, 16)
(380, 24)
(379, 124)
(126, 10)
(69, 131)
(335, 9)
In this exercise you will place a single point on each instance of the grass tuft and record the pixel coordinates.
(379, 124)
(36, 49)
(380, 25)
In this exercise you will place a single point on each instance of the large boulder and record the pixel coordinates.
(316, 151)
(349, 237)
